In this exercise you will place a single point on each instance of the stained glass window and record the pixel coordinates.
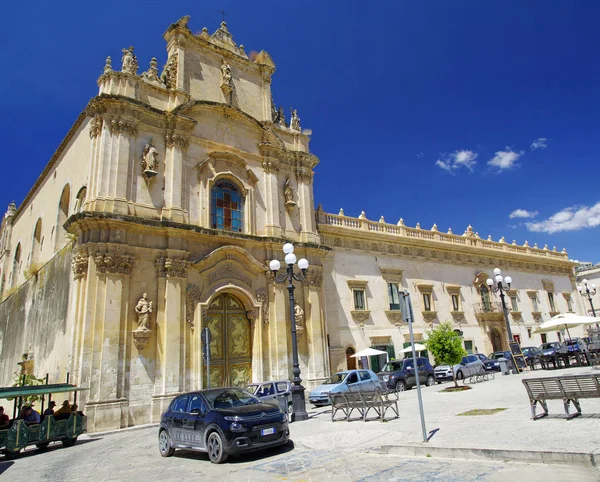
(227, 207)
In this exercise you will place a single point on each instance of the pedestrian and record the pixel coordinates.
(50, 409)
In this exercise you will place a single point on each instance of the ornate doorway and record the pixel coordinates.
(231, 344)
(496, 339)
(350, 361)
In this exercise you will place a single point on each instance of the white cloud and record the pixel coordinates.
(539, 143)
(505, 159)
(522, 213)
(458, 159)
(569, 219)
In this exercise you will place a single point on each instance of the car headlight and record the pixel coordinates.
(386, 378)
(237, 427)
(234, 418)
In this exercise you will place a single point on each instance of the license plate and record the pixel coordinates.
(267, 431)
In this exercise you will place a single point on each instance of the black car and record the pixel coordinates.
(490, 365)
(400, 375)
(532, 355)
(221, 421)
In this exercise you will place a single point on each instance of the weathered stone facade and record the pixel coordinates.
(171, 193)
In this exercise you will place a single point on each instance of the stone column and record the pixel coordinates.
(304, 177)
(79, 264)
(107, 403)
(171, 335)
(177, 144)
(272, 196)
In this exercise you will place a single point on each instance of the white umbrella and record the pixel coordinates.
(565, 321)
(369, 352)
(418, 347)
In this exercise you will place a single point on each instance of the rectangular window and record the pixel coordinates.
(426, 302)
(394, 296)
(534, 303)
(517, 338)
(468, 346)
(569, 304)
(529, 333)
(544, 338)
(551, 300)
(359, 299)
(513, 302)
(455, 303)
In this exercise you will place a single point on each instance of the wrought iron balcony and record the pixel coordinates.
(491, 307)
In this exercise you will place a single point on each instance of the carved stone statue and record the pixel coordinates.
(288, 193)
(299, 318)
(225, 73)
(129, 63)
(169, 75)
(149, 160)
(295, 120)
(143, 310)
(281, 117)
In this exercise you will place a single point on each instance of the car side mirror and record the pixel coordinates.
(197, 411)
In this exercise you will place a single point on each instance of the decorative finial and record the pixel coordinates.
(434, 227)
(502, 240)
(535, 246)
(490, 237)
(362, 215)
(401, 222)
(545, 247)
(108, 64)
(418, 226)
(554, 249)
(381, 219)
(450, 231)
(514, 243)
(564, 250)
(341, 213)
(242, 51)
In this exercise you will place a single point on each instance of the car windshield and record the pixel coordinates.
(526, 351)
(391, 367)
(546, 346)
(335, 379)
(230, 397)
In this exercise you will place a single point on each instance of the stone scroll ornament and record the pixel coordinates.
(143, 310)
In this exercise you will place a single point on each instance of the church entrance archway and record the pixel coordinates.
(231, 344)
(496, 339)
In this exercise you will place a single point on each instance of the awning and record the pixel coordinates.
(26, 391)
(418, 348)
(369, 352)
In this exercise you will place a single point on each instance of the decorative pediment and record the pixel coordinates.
(224, 156)
(357, 283)
(425, 287)
(453, 289)
(227, 254)
(391, 275)
(548, 286)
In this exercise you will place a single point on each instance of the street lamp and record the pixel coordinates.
(298, 401)
(497, 285)
(589, 292)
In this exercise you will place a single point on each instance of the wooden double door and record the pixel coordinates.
(231, 344)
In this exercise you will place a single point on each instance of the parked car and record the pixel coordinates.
(279, 391)
(576, 345)
(469, 366)
(355, 380)
(221, 421)
(400, 375)
(553, 348)
(490, 365)
(532, 354)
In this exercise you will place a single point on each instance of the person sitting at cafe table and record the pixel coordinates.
(50, 409)
(29, 415)
(4, 419)
(64, 411)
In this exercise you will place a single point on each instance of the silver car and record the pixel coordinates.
(348, 380)
(469, 366)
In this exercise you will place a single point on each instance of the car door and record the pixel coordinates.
(194, 424)
(177, 415)
(352, 382)
(267, 391)
(365, 380)
(409, 369)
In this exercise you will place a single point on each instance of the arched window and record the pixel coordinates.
(80, 199)
(63, 214)
(16, 265)
(226, 207)
(36, 246)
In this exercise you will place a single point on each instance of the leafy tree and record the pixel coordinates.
(446, 346)
(29, 380)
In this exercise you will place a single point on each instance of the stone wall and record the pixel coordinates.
(34, 318)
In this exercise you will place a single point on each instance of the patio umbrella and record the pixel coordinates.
(418, 347)
(564, 321)
(369, 352)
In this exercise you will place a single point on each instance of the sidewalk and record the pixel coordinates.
(510, 429)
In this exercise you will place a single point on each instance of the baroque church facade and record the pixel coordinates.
(166, 201)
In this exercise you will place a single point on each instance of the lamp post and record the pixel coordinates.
(298, 401)
(497, 285)
(589, 292)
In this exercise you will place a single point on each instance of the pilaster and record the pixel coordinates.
(176, 143)
(271, 176)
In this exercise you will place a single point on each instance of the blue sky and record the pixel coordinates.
(434, 111)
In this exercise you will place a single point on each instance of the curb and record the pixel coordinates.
(121, 430)
(497, 455)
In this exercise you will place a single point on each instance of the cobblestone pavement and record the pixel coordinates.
(133, 455)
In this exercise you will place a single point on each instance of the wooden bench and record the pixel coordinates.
(363, 402)
(569, 389)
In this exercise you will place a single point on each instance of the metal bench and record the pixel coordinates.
(363, 402)
(569, 389)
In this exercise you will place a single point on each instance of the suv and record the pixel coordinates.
(400, 375)
(469, 366)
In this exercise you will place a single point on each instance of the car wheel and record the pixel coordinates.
(459, 375)
(164, 444)
(430, 381)
(216, 450)
(400, 386)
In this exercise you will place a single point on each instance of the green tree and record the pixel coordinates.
(446, 346)
(28, 380)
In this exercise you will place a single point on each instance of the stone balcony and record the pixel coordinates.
(491, 311)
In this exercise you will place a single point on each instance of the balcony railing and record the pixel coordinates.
(491, 307)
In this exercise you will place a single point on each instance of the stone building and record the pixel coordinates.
(158, 214)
